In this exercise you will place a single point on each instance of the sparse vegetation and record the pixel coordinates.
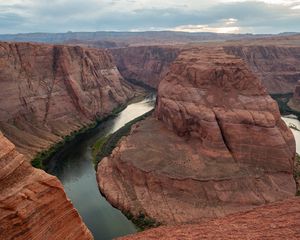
(293, 126)
(282, 101)
(142, 221)
(99, 144)
(106, 145)
(40, 158)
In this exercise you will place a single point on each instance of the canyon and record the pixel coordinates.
(46, 93)
(275, 60)
(33, 204)
(146, 64)
(277, 66)
(50, 91)
(216, 145)
(255, 224)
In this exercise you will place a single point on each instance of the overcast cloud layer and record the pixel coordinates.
(228, 16)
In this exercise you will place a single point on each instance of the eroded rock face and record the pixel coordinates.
(216, 145)
(274, 221)
(294, 102)
(277, 66)
(33, 204)
(48, 91)
(147, 64)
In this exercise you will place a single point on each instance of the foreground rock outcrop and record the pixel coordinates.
(33, 204)
(216, 145)
(274, 221)
(278, 66)
(146, 64)
(48, 91)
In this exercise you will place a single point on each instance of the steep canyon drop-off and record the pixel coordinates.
(48, 91)
(33, 204)
(216, 145)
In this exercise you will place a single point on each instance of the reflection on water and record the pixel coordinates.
(292, 122)
(73, 165)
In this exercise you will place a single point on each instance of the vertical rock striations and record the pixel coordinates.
(33, 204)
(48, 91)
(277, 66)
(146, 64)
(217, 145)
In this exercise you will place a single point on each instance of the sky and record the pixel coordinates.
(222, 16)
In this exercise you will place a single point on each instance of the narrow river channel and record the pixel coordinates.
(73, 165)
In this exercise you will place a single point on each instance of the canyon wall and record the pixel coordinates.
(215, 146)
(33, 204)
(277, 66)
(274, 221)
(146, 64)
(294, 101)
(48, 91)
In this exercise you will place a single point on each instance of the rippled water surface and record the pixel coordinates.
(73, 165)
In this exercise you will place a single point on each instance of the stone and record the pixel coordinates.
(279, 220)
(146, 64)
(275, 63)
(33, 204)
(216, 145)
(49, 91)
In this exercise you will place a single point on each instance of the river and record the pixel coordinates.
(73, 165)
(294, 124)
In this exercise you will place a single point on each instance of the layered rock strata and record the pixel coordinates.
(48, 91)
(216, 145)
(146, 64)
(274, 221)
(294, 102)
(277, 66)
(33, 204)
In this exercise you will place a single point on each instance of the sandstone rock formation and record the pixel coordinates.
(277, 66)
(279, 220)
(294, 102)
(217, 145)
(33, 204)
(48, 91)
(147, 64)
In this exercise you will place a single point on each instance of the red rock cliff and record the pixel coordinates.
(218, 146)
(48, 91)
(277, 66)
(275, 221)
(147, 64)
(33, 204)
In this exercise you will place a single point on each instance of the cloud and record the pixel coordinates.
(224, 26)
(258, 16)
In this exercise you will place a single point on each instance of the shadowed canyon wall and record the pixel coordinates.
(277, 66)
(48, 91)
(216, 145)
(147, 64)
(33, 204)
